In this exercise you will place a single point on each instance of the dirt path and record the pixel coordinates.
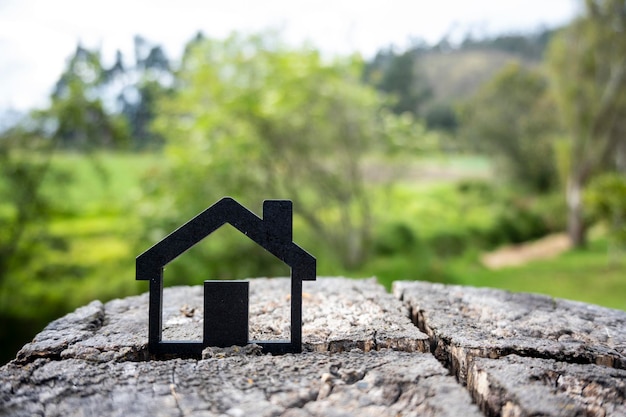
(515, 255)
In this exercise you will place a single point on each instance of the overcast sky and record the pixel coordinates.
(37, 36)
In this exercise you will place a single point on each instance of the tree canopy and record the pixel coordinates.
(254, 119)
(78, 112)
(512, 118)
(588, 63)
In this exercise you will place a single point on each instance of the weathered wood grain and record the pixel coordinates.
(524, 354)
(376, 384)
(512, 354)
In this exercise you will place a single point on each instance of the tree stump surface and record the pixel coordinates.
(427, 350)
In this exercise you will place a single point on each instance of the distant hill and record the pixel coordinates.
(429, 79)
(458, 74)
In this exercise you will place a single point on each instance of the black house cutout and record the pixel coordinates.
(273, 232)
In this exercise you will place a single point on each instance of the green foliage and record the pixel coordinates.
(254, 119)
(512, 117)
(151, 77)
(588, 65)
(25, 238)
(441, 116)
(404, 136)
(430, 229)
(397, 74)
(606, 199)
(518, 223)
(24, 163)
(78, 233)
(394, 238)
(77, 114)
(95, 107)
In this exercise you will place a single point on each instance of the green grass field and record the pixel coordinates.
(101, 182)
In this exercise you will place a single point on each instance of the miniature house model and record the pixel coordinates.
(226, 302)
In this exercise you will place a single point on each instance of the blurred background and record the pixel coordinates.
(479, 143)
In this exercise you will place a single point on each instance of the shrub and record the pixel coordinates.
(448, 243)
(394, 238)
(519, 222)
(606, 199)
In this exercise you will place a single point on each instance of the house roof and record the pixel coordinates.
(273, 232)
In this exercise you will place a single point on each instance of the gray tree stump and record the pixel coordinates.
(524, 354)
(427, 350)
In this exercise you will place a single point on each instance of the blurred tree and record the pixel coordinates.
(146, 80)
(254, 120)
(588, 63)
(397, 74)
(606, 198)
(139, 109)
(25, 162)
(512, 117)
(441, 116)
(81, 116)
(77, 114)
(94, 106)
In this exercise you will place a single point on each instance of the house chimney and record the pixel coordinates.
(277, 217)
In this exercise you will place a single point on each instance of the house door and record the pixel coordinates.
(226, 313)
